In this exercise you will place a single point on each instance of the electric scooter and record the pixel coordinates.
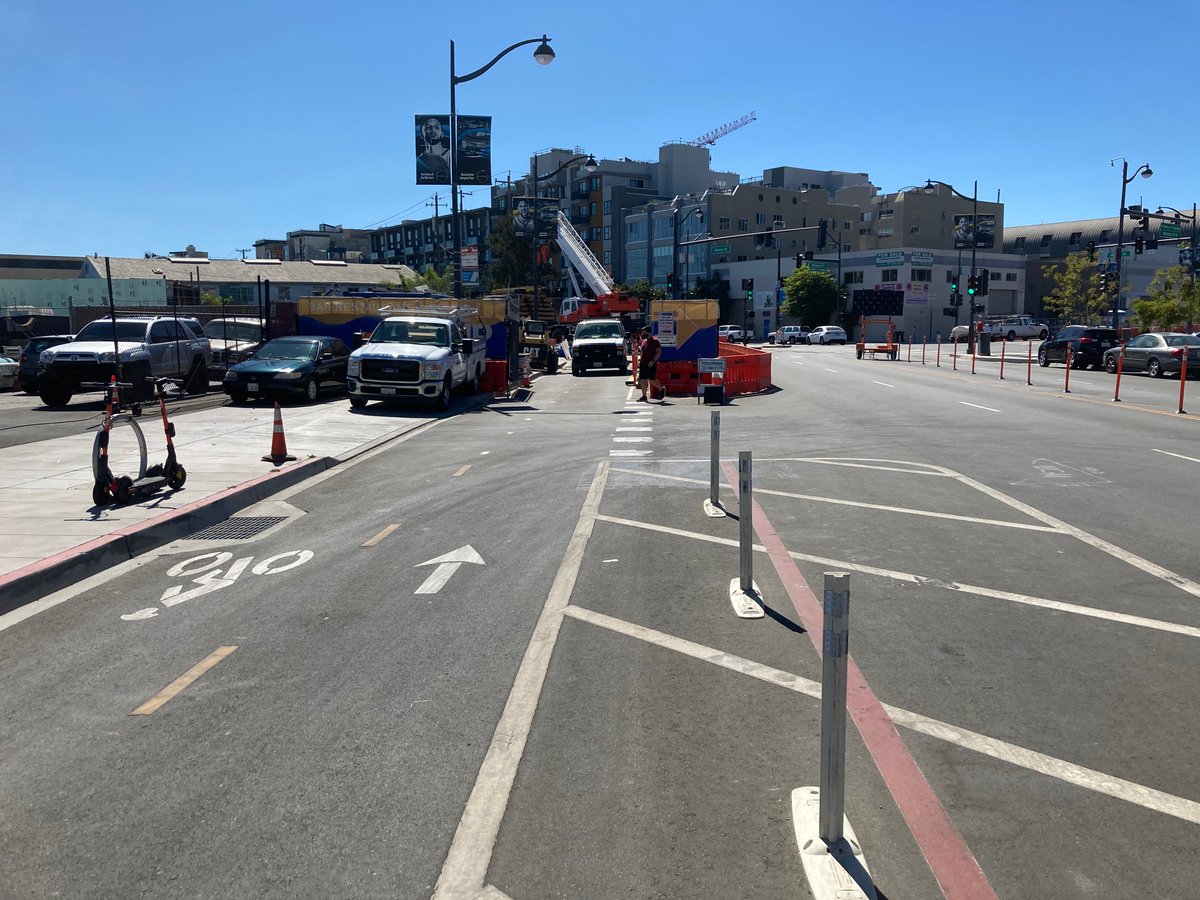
(102, 490)
(125, 489)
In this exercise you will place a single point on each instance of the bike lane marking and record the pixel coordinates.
(176, 687)
(953, 864)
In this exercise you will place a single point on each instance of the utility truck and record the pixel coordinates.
(416, 354)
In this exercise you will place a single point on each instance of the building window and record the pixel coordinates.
(743, 224)
(760, 198)
(852, 278)
(1075, 236)
(741, 259)
(994, 276)
(636, 183)
(594, 183)
(865, 217)
(794, 243)
(777, 219)
(1020, 244)
(1046, 238)
(608, 207)
(885, 232)
(886, 213)
(1010, 276)
(593, 208)
(724, 223)
(794, 201)
(888, 275)
(608, 257)
(778, 199)
(949, 276)
(608, 232)
(914, 229)
(925, 275)
(1105, 235)
(760, 218)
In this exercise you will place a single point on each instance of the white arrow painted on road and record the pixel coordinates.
(447, 564)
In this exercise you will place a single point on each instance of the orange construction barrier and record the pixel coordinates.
(747, 371)
(279, 454)
(1117, 388)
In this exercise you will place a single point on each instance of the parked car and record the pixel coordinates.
(27, 362)
(233, 341)
(149, 347)
(827, 334)
(731, 333)
(289, 366)
(789, 334)
(8, 373)
(1088, 344)
(1013, 327)
(1158, 353)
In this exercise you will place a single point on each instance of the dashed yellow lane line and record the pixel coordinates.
(461, 471)
(176, 686)
(379, 537)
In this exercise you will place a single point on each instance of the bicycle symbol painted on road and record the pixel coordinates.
(212, 578)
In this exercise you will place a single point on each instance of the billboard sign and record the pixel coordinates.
(968, 233)
(922, 258)
(889, 259)
(474, 150)
(535, 215)
(433, 149)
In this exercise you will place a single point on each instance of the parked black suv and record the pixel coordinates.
(1087, 343)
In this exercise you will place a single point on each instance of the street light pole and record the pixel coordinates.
(544, 55)
(1145, 171)
(676, 224)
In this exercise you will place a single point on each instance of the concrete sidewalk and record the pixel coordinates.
(51, 534)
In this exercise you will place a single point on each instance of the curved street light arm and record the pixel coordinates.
(570, 162)
(929, 182)
(459, 79)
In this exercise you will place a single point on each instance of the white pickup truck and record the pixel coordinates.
(1016, 327)
(424, 356)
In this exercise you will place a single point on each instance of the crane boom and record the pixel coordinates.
(712, 136)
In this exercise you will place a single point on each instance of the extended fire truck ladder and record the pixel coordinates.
(582, 260)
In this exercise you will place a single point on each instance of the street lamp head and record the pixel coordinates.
(544, 54)
(591, 165)
(929, 186)
(1147, 171)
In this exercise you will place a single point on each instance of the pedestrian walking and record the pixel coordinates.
(648, 366)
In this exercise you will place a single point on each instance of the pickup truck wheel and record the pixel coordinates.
(358, 402)
(1012, 335)
(54, 396)
(197, 381)
(443, 400)
(1043, 334)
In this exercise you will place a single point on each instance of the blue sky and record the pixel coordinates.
(149, 126)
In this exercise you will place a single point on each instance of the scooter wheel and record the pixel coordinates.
(124, 491)
(177, 478)
(100, 495)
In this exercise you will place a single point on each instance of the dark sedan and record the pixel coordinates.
(1158, 353)
(1088, 345)
(290, 366)
(27, 362)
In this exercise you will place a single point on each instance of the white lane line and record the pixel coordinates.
(908, 577)
(1178, 455)
(647, 428)
(834, 371)
(933, 514)
(484, 452)
(470, 853)
(633, 440)
(855, 463)
(977, 406)
(885, 384)
(1080, 776)
(1138, 562)
(629, 452)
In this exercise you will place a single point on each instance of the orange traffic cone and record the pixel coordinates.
(279, 454)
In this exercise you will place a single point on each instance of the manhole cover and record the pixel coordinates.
(238, 528)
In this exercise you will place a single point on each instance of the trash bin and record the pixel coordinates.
(985, 344)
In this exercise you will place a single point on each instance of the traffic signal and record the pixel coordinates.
(748, 286)
(954, 285)
(972, 285)
(822, 234)
(1139, 245)
(1091, 251)
(671, 283)
(983, 282)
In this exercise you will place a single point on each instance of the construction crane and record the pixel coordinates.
(712, 136)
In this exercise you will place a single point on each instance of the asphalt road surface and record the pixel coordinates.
(498, 657)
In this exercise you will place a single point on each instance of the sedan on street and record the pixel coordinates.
(1158, 353)
(1088, 345)
(290, 366)
(8, 373)
(27, 362)
(827, 334)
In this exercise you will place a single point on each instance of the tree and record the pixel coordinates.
(1077, 295)
(643, 291)
(1172, 301)
(211, 298)
(512, 256)
(438, 282)
(810, 296)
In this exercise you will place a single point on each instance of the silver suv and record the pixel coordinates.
(149, 346)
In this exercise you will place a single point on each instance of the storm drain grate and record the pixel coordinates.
(237, 528)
